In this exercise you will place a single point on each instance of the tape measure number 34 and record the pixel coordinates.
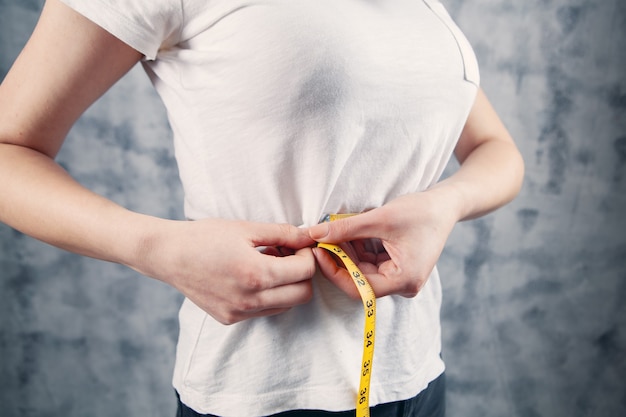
(369, 305)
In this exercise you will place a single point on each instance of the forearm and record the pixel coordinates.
(41, 200)
(489, 177)
(492, 169)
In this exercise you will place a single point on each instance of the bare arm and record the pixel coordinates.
(67, 64)
(492, 169)
(413, 228)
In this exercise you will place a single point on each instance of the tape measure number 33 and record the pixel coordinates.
(369, 305)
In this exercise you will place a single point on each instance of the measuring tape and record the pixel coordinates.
(369, 306)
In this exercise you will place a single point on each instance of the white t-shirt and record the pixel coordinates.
(283, 110)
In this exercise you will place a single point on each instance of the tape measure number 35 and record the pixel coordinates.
(369, 306)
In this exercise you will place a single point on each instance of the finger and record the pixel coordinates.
(385, 279)
(275, 300)
(263, 313)
(276, 250)
(270, 250)
(268, 302)
(368, 268)
(286, 296)
(285, 251)
(365, 250)
(391, 279)
(349, 250)
(259, 304)
(334, 273)
(381, 284)
(285, 270)
(382, 257)
(271, 234)
(377, 245)
(236, 317)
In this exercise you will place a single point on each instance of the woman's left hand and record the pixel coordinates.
(396, 246)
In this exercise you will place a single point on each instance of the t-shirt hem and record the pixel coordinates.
(332, 400)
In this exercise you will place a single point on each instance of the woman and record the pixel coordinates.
(281, 111)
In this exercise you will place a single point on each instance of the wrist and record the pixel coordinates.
(451, 199)
(144, 243)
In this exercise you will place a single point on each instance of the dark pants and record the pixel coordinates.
(428, 403)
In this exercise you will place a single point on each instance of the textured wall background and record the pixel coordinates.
(534, 312)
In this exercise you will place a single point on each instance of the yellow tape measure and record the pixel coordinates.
(369, 306)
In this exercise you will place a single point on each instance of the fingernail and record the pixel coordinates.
(319, 231)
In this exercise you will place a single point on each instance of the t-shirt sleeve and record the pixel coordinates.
(146, 25)
(470, 63)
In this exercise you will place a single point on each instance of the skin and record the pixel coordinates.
(69, 62)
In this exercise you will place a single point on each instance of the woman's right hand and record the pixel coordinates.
(220, 265)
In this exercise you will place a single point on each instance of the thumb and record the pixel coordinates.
(359, 226)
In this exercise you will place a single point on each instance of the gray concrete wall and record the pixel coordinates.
(534, 312)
